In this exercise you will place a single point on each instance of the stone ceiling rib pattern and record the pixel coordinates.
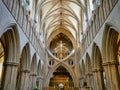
(60, 14)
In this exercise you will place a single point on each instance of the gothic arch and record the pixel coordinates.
(10, 41)
(96, 57)
(33, 73)
(83, 67)
(25, 57)
(34, 64)
(66, 32)
(39, 71)
(97, 68)
(88, 64)
(24, 68)
(109, 46)
(110, 50)
(67, 68)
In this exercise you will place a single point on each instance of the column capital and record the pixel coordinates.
(40, 77)
(97, 70)
(25, 70)
(33, 74)
(81, 77)
(112, 62)
(89, 74)
(15, 64)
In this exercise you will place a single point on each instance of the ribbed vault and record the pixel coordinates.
(60, 14)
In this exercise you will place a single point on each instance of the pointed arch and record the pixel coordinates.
(67, 68)
(25, 57)
(110, 50)
(83, 67)
(23, 67)
(97, 67)
(109, 46)
(88, 64)
(10, 41)
(96, 57)
(66, 32)
(39, 69)
(34, 64)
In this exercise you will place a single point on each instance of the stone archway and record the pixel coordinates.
(33, 73)
(61, 79)
(66, 32)
(97, 68)
(89, 75)
(111, 63)
(10, 42)
(67, 68)
(24, 69)
(83, 68)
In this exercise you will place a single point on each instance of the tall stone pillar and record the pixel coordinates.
(83, 83)
(89, 80)
(40, 84)
(33, 78)
(24, 80)
(98, 79)
(9, 77)
(112, 75)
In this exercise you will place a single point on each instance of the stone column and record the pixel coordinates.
(98, 79)
(33, 80)
(24, 79)
(83, 83)
(9, 77)
(89, 81)
(40, 80)
(112, 75)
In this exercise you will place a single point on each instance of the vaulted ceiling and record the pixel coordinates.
(61, 16)
(51, 17)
